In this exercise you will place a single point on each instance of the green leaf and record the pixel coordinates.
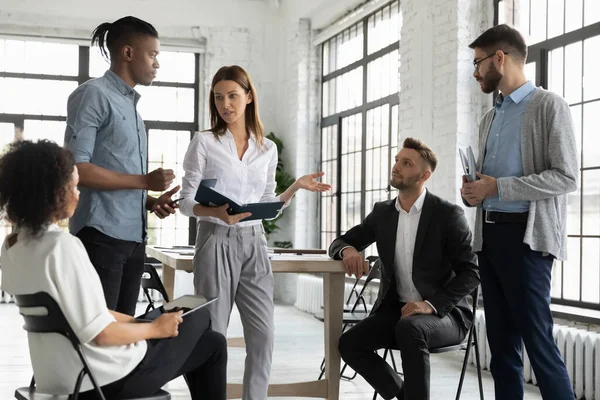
(284, 181)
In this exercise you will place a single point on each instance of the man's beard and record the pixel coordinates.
(491, 80)
(406, 183)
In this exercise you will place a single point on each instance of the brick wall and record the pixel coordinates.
(439, 100)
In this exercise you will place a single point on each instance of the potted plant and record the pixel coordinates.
(284, 181)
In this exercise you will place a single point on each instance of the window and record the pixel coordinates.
(359, 129)
(167, 152)
(564, 38)
(38, 58)
(540, 20)
(36, 79)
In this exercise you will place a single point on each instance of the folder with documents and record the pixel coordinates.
(210, 198)
(469, 164)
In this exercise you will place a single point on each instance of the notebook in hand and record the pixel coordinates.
(209, 197)
(188, 304)
(469, 164)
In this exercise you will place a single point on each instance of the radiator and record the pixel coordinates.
(580, 348)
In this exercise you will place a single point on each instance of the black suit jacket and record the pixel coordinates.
(444, 266)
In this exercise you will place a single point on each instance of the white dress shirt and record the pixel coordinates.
(249, 180)
(406, 235)
(58, 264)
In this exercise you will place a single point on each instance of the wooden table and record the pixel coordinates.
(333, 298)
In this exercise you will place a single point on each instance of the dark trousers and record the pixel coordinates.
(515, 281)
(119, 264)
(413, 336)
(197, 352)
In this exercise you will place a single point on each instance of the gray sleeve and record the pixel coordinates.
(561, 176)
(87, 109)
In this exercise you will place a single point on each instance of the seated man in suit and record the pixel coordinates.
(428, 267)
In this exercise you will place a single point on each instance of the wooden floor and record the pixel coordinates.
(298, 353)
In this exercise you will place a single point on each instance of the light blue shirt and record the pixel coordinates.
(105, 129)
(503, 148)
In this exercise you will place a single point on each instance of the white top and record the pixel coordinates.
(406, 235)
(250, 180)
(58, 264)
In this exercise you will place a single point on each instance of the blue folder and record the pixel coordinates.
(210, 198)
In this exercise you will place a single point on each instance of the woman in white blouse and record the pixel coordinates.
(38, 188)
(231, 259)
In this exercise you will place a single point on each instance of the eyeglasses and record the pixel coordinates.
(477, 63)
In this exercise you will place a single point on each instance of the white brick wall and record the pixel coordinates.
(439, 100)
(301, 137)
(245, 47)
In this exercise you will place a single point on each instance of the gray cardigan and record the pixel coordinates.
(550, 171)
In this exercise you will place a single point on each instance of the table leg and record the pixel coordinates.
(333, 297)
(168, 278)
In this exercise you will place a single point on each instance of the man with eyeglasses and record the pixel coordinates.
(527, 164)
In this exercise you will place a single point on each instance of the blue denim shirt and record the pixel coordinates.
(503, 147)
(105, 129)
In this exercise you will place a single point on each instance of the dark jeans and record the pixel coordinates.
(119, 264)
(197, 352)
(413, 336)
(515, 281)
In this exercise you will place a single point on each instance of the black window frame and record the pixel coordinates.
(84, 75)
(336, 118)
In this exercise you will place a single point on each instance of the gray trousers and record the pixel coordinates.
(232, 263)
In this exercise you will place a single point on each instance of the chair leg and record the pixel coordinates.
(385, 353)
(478, 362)
(394, 363)
(322, 369)
(348, 378)
(344, 327)
(353, 291)
(465, 362)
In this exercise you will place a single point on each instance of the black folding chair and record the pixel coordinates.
(354, 316)
(55, 322)
(151, 281)
(471, 341)
(360, 299)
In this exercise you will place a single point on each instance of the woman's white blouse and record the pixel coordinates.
(250, 180)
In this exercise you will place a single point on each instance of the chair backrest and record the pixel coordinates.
(374, 273)
(54, 321)
(151, 280)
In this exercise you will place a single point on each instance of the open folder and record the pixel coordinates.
(469, 164)
(188, 304)
(209, 197)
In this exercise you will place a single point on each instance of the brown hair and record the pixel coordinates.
(424, 151)
(240, 76)
(502, 37)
